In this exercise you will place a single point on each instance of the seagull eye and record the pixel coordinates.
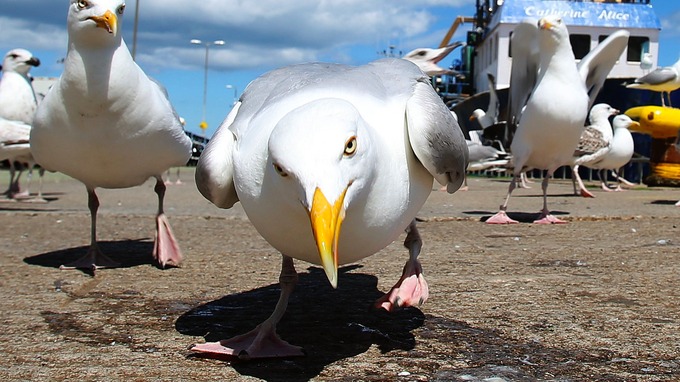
(121, 9)
(279, 170)
(82, 4)
(351, 146)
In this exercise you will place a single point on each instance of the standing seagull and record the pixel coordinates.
(315, 148)
(663, 80)
(621, 151)
(17, 99)
(107, 124)
(595, 142)
(549, 99)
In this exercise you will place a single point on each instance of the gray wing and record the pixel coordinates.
(215, 168)
(658, 76)
(435, 137)
(596, 65)
(524, 72)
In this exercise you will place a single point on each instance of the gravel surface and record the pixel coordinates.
(593, 300)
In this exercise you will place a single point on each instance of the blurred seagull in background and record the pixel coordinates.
(595, 142)
(17, 99)
(663, 80)
(18, 103)
(428, 59)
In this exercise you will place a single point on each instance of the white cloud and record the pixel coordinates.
(263, 33)
(18, 33)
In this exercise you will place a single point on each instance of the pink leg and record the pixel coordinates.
(464, 187)
(577, 177)
(94, 258)
(524, 181)
(501, 217)
(546, 217)
(166, 249)
(411, 289)
(262, 342)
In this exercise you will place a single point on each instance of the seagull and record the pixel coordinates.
(107, 124)
(549, 99)
(663, 80)
(17, 99)
(331, 163)
(594, 144)
(620, 153)
(13, 144)
(490, 116)
(427, 58)
(646, 62)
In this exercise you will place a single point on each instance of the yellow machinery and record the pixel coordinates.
(662, 124)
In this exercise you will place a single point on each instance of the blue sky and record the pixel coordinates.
(259, 35)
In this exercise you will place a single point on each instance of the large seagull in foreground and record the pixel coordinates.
(331, 163)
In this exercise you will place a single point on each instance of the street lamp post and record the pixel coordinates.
(134, 31)
(235, 93)
(204, 125)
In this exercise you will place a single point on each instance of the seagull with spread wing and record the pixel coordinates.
(549, 99)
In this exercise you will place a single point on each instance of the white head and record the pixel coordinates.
(321, 156)
(622, 121)
(19, 61)
(93, 20)
(601, 111)
(427, 59)
(556, 31)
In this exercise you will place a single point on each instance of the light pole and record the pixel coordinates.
(134, 31)
(235, 93)
(204, 125)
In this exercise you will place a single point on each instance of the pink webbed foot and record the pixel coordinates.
(93, 260)
(549, 219)
(501, 218)
(261, 342)
(166, 249)
(586, 194)
(410, 290)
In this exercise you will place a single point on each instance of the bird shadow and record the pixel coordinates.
(129, 253)
(664, 202)
(330, 324)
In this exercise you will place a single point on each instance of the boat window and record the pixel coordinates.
(637, 46)
(580, 45)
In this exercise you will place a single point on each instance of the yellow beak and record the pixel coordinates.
(107, 21)
(326, 220)
(544, 24)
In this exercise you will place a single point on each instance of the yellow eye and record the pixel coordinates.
(121, 9)
(351, 146)
(279, 170)
(82, 4)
